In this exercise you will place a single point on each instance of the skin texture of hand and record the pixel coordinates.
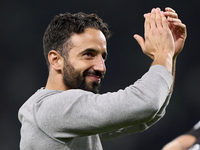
(177, 28)
(179, 33)
(158, 43)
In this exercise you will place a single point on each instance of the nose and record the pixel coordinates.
(99, 64)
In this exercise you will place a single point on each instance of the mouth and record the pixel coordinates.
(94, 77)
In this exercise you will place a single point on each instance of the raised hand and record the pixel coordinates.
(158, 36)
(159, 42)
(177, 28)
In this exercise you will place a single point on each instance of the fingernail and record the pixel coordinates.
(158, 8)
(135, 36)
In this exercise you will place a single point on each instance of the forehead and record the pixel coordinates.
(90, 38)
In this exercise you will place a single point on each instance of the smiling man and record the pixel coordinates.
(83, 67)
(69, 113)
(80, 61)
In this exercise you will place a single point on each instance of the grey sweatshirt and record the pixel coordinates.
(78, 120)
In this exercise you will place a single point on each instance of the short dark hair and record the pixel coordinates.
(62, 26)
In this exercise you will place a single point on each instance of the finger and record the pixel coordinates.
(171, 14)
(153, 18)
(172, 20)
(164, 20)
(140, 41)
(147, 22)
(169, 9)
(181, 26)
(158, 18)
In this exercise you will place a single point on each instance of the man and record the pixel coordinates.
(69, 114)
(188, 141)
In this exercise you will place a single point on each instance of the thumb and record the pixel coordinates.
(140, 41)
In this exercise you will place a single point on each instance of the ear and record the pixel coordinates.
(55, 60)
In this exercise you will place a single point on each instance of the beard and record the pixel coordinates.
(75, 80)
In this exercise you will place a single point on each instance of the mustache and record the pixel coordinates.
(95, 73)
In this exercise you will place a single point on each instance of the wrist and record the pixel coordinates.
(164, 59)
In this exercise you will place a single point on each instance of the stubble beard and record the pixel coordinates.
(74, 80)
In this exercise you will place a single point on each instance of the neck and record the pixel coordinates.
(55, 82)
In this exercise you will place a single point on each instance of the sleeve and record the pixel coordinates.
(76, 113)
(136, 127)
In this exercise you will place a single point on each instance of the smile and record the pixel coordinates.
(94, 77)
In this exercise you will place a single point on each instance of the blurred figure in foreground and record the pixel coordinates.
(188, 141)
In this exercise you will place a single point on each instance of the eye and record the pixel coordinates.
(104, 56)
(89, 55)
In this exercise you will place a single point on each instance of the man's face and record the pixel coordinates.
(84, 67)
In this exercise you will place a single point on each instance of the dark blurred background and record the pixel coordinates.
(23, 69)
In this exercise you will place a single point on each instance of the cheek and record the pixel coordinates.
(82, 66)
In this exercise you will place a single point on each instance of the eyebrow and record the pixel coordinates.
(105, 54)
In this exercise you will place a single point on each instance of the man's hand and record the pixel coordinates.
(159, 42)
(177, 28)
